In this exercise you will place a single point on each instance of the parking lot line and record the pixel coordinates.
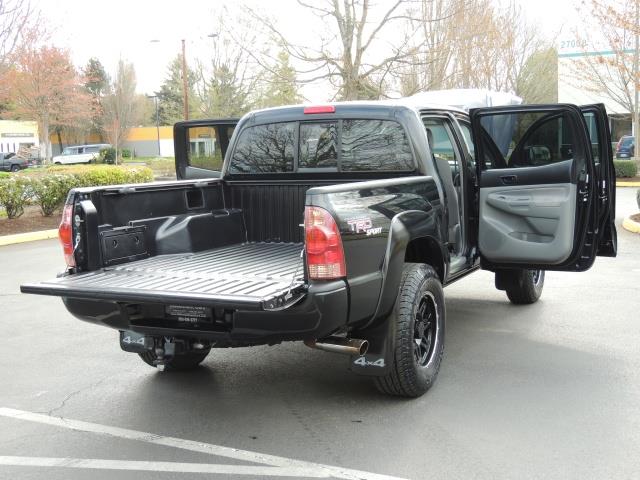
(146, 466)
(193, 446)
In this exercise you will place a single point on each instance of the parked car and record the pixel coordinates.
(10, 162)
(80, 154)
(338, 225)
(626, 147)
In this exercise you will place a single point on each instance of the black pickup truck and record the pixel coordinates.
(338, 225)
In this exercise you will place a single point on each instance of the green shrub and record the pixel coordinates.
(625, 168)
(49, 187)
(50, 192)
(107, 155)
(14, 194)
(125, 153)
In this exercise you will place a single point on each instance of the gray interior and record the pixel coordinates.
(527, 224)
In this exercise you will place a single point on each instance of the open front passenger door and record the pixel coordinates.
(541, 201)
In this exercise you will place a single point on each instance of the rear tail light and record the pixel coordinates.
(65, 233)
(323, 245)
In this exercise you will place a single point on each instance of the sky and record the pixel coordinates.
(125, 29)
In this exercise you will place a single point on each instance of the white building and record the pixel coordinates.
(575, 85)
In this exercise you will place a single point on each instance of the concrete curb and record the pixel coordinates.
(28, 237)
(631, 225)
(627, 184)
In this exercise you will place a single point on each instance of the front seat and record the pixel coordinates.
(451, 196)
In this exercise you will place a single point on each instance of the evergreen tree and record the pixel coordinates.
(282, 88)
(96, 83)
(170, 95)
(225, 95)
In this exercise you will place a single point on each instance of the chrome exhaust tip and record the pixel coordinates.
(346, 346)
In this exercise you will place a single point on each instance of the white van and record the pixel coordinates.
(80, 154)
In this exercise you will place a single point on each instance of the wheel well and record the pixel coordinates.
(426, 250)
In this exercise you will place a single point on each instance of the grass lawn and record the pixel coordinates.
(161, 166)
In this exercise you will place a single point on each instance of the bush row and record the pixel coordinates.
(625, 168)
(48, 187)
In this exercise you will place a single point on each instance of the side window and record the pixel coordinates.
(468, 138)
(318, 145)
(80, 150)
(265, 149)
(530, 139)
(374, 145)
(592, 128)
(441, 144)
(204, 148)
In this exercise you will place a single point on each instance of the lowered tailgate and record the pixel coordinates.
(255, 276)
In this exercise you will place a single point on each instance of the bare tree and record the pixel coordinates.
(351, 54)
(470, 44)
(228, 83)
(614, 27)
(119, 105)
(18, 21)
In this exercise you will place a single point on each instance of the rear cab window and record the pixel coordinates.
(341, 145)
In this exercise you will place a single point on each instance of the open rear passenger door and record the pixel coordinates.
(541, 201)
(600, 135)
(200, 147)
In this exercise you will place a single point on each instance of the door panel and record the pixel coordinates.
(537, 187)
(528, 224)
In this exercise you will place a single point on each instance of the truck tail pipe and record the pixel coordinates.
(347, 346)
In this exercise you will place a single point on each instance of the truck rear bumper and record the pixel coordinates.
(323, 310)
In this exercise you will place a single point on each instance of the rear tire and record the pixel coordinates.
(419, 314)
(525, 286)
(180, 362)
(15, 168)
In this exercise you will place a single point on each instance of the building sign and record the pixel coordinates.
(17, 135)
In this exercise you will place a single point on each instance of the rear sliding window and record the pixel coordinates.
(337, 145)
(265, 149)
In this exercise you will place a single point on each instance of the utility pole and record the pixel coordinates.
(185, 82)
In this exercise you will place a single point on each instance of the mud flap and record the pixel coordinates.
(379, 357)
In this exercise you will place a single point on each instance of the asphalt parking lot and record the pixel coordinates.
(550, 390)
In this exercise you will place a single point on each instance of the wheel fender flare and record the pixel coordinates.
(380, 331)
(404, 228)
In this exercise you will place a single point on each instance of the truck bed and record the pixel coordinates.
(256, 275)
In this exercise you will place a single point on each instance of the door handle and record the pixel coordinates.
(509, 179)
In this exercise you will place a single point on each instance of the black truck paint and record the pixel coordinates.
(124, 234)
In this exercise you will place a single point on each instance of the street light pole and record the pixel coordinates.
(185, 82)
(155, 98)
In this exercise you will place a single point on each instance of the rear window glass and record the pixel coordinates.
(318, 145)
(265, 149)
(345, 145)
(626, 141)
(372, 145)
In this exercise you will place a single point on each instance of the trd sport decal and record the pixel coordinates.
(363, 225)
